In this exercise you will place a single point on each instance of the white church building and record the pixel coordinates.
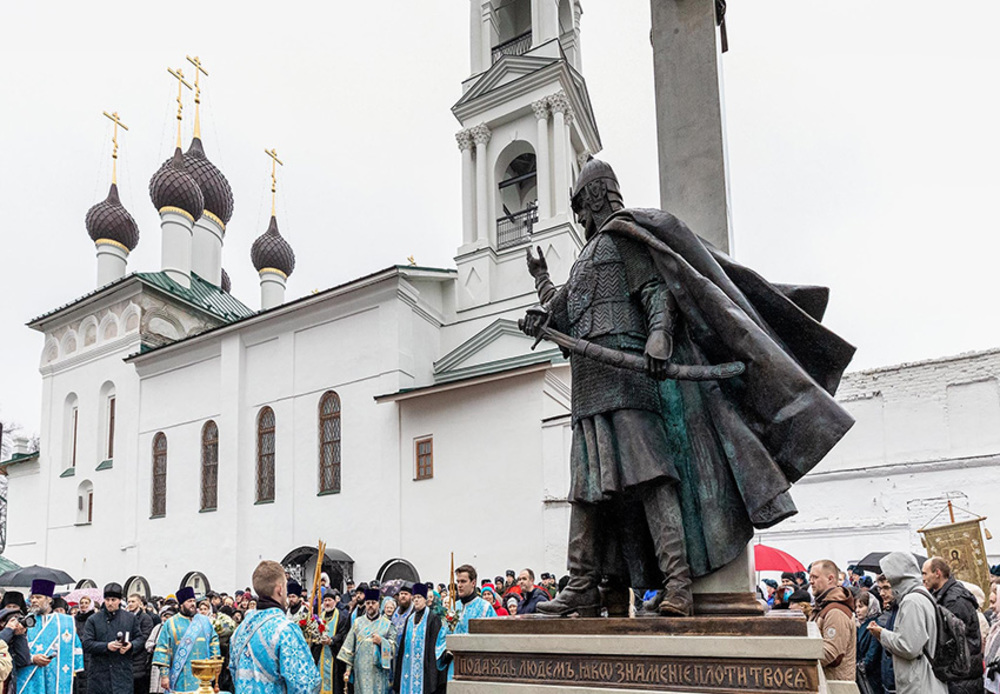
(185, 436)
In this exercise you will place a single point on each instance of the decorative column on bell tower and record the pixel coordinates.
(526, 120)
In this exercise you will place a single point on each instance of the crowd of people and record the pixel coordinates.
(368, 639)
(910, 629)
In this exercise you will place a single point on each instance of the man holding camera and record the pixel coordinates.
(56, 653)
(109, 637)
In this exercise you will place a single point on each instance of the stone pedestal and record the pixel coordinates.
(532, 655)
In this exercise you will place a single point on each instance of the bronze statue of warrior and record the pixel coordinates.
(670, 477)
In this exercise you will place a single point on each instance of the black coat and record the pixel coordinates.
(110, 671)
(435, 680)
(960, 602)
(530, 601)
(140, 658)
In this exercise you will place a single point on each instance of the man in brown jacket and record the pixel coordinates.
(834, 615)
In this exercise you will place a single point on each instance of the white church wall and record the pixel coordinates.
(484, 502)
(925, 433)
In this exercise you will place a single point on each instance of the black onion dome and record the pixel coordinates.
(109, 220)
(227, 284)
(173, 186)
(214, 186)
(271, 250)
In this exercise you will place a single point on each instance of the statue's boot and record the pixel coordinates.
(581, 596)
(663, 513)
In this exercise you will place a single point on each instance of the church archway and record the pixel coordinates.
(517, 193)
(300, 564)
(196, 580)
(137, 584)
(400, 569)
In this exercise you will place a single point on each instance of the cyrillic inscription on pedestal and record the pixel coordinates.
(639, 672)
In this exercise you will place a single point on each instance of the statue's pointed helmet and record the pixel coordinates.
(596, 170)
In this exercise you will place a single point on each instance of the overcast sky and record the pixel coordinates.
(862, 138)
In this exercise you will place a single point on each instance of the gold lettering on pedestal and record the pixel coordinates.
(640, 672)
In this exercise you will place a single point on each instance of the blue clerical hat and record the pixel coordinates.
(41, 586)
(184, 594)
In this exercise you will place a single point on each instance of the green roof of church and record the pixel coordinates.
(7, 565)
(202, 294)
(19, 458)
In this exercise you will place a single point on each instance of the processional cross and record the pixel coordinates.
(114, 140)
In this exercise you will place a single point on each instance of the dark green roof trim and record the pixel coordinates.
(201, 294)
(106, 465)
(7, 565)
(20, 458)
(68, 472)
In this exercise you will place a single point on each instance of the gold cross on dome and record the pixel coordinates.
(114, 140)
(178, 74)
(198, 71)
(273, 153)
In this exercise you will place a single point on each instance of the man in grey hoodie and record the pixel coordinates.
(912, 639)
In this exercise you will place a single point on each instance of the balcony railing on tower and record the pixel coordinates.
(516, 227)
(519, 45)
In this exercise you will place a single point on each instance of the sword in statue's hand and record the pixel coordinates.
(632, 362)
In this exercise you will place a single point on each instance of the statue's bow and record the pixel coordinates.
(634, 362)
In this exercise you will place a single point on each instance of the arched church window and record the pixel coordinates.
(159, 503)
(265, 455)
(209, 466)
(329, 443)
(513, 28)
(85, 503)
(517, 194)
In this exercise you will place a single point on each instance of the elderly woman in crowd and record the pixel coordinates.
(869, 650)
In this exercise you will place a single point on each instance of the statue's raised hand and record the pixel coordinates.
(537, 266)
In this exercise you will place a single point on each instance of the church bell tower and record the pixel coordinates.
(527, 127)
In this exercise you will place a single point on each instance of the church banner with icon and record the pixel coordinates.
(961, 545)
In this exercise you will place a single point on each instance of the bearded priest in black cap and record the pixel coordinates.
(416, 669)
(186, 636)
(370, 648)
(110, 637)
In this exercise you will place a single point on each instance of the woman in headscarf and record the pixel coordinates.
(490, 596)
(869, 650)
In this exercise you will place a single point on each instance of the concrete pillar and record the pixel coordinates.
(206, 248)
(468, 187)
(689, 126)
(112, 259)
(560, 153)
(481, 136)
(176, 228)
(543, 177)
(272, 288)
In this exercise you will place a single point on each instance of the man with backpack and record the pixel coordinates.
(913, 640)
(958, 600)
(834, 615)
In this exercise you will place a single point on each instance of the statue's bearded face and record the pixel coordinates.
(589, 205)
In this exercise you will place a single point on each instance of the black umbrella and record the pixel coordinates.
(870, 562)
(24, 576)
